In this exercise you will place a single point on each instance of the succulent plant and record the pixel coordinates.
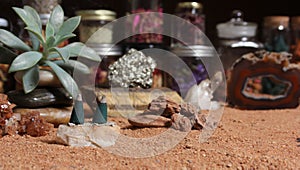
(43, 49)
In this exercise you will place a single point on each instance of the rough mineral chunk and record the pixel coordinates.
(134, 69)
(34, 125)
(165, 112)
(6, 112)
(181, 123)
(165, 106)
(6, 108)
(95, 135)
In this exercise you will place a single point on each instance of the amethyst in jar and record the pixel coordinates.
(192, 56)
(192, 13)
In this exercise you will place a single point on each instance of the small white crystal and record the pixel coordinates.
(95, 135)
(201, 95)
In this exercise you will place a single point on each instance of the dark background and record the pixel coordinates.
(216, 11)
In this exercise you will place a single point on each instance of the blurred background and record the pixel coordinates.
(215, 11)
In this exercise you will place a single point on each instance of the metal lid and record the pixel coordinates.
(194, 51)
(196, 5)
(236, 27)
(45, 18)
(106, 49)
(3, 22)
(100, 14)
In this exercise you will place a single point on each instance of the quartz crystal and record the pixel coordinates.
(201, 95)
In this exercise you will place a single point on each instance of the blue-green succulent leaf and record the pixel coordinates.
(49, 31)
(50, 42)
(56, 18)
(31, 79)
(60, 39)
(36, 32)
(69, 26)
(25, 60)
(66, 79)
(35, 41)
(13, 41)
(64, 53)
(31, 11)
(81, 50)
(71, 65)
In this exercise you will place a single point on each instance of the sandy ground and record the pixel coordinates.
(268, 139)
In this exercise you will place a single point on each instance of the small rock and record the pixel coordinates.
(12, 125)
(192, 113)
(181, 123)
(95, 135)
(184, 117)
(188, 146)
(6, 108)
(34, 125)
(228, 165)
(40, 98)
(148, 120)
(165, 106)
(30, 124)
(188, 110)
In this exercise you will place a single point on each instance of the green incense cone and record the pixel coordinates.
(77, 116)
(100, 116)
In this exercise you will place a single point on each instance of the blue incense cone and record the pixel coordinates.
(100, 115)
(77, 116)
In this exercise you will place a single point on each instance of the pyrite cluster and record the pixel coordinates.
(134, 69)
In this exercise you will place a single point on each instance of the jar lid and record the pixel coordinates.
(106, 49)
(236, 27)
(45, 18)
(100, 14)
(3, 22)
(275, 21)
(194, 51)
(196, 5)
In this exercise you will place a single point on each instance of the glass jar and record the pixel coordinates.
(3, 24)
(193, 13)
(42, 6)
(276, 33)
(93, 20)
(152, 22)
(235, 38)
(295, 47)
(109, 55)
(192, 56)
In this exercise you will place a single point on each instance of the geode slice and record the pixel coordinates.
(264, 80)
